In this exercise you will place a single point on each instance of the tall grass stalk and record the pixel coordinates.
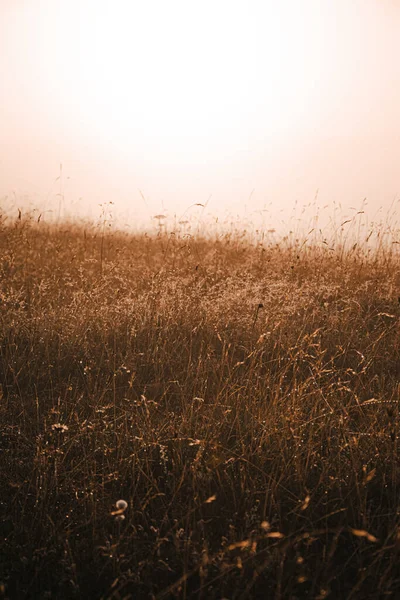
(239, 391)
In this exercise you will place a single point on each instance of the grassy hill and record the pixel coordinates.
(241, 398)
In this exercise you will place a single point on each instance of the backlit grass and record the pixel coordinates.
(240, 395)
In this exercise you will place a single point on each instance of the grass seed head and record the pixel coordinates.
(121, 504)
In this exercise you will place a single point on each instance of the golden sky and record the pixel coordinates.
(257, 103)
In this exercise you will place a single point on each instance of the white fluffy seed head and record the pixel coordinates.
(121, 505)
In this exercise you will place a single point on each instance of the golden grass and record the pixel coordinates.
(240, 396)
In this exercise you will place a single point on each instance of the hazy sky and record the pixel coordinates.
(254, 102)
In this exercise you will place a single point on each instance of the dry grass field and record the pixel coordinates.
(241, 397)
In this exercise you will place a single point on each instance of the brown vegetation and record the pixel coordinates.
(242, 398)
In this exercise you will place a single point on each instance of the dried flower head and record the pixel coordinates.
(121, 505)
(59, 427)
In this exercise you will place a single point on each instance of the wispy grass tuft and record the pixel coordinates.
(239, 393)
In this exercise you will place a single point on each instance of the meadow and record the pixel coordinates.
(190, 414)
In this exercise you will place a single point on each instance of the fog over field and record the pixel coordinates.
(199, 299)
(157, 106)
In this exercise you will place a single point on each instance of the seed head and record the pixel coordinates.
(121, 505)
(59, 427)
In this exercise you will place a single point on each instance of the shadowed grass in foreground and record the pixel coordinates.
(242, 399)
